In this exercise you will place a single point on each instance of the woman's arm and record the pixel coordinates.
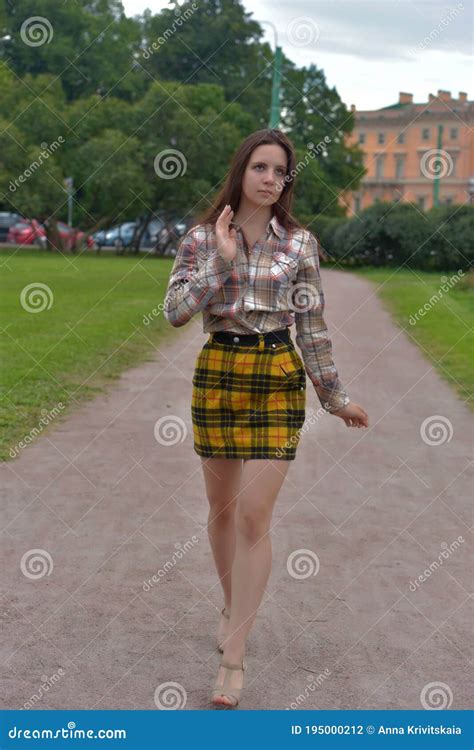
(191, 287)
(311, 331)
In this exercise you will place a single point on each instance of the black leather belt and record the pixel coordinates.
(280, 336)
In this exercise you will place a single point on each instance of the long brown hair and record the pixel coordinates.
(231, 191)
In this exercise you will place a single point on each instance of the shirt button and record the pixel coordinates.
(236, 339)
(273, 346)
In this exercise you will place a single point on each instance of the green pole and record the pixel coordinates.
(438, 168)
(275, 107)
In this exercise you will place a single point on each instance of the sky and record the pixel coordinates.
(369, 50)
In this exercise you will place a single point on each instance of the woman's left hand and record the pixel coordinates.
(353, 415)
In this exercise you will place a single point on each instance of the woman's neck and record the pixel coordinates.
(248, 215)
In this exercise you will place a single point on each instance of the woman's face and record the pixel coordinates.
(264, 176)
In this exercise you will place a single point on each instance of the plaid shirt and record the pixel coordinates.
(275, 285)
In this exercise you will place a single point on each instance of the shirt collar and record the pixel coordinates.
(278, 228)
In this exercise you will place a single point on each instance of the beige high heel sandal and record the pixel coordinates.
(228, 692)
(220, 640)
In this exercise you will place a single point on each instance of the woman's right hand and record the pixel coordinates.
(226, 239)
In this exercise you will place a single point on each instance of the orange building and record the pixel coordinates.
(402, 154)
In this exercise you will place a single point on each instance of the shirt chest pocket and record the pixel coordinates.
(282, 267)
(274, 280)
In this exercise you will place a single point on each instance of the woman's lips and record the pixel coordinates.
(266, 192)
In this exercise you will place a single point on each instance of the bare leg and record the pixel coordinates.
(261, 482)
(222, 477)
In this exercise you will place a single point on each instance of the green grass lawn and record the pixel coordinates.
(444, 332)
(94, 328)
(92, 332)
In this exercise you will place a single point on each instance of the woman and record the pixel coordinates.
(252, 271)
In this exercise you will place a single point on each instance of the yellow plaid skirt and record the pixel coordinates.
(248, 401)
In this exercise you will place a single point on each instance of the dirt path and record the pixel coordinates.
(112, 506)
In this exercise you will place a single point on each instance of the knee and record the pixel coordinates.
(221, 509)
(251, 523)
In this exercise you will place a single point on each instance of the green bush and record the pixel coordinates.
(399, 234)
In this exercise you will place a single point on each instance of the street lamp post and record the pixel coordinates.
(274, 120)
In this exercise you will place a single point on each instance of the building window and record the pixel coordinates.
(361, 137)
(379, 163)
(452, 172)
(448, 201)
(425, 134)
(381, 138)
(356, 204)
(453, 134)
(399, 166)
(401, 138)
(420, 201)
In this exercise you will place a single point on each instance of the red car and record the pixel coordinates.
(31, 232)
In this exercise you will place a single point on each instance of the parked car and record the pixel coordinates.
(31, 232)
(7, 220)
(121, 235)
